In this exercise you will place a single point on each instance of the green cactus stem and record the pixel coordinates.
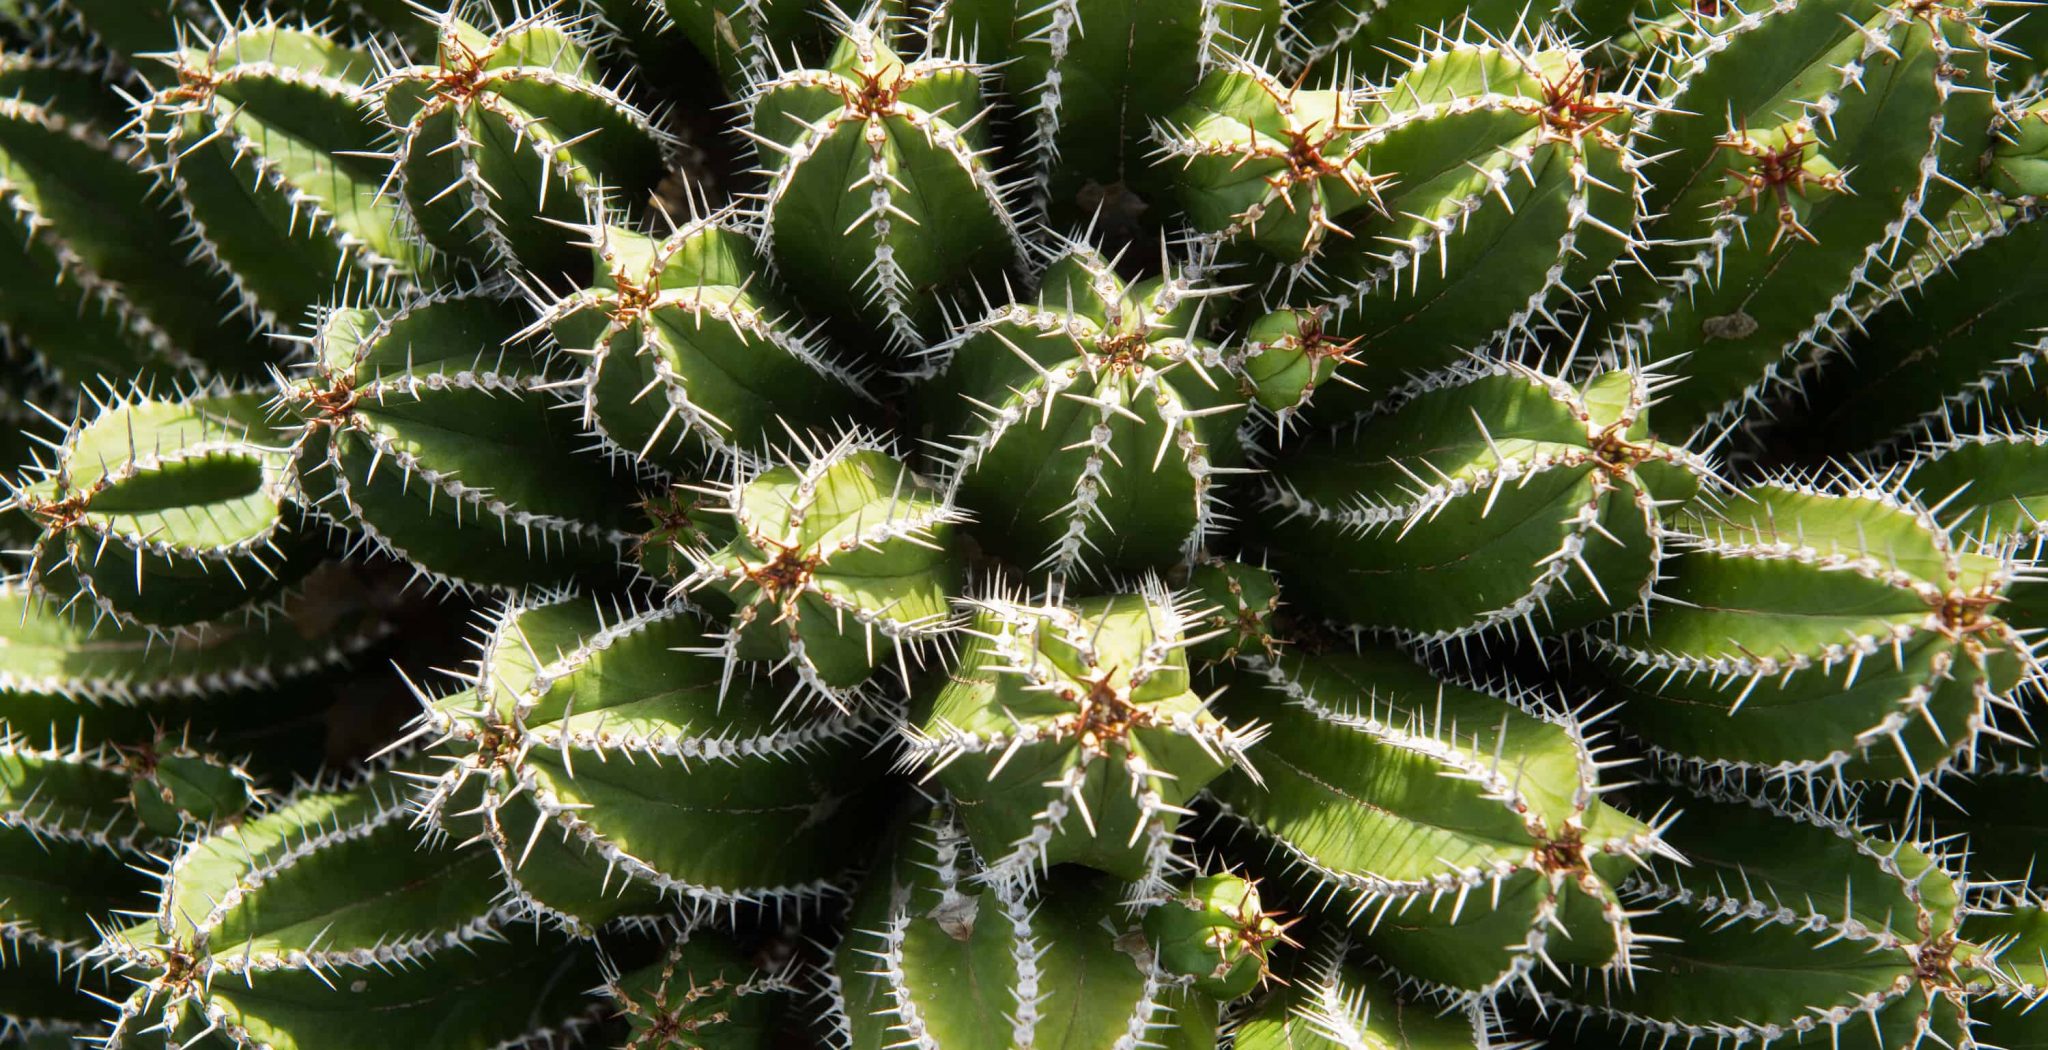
(1266, 166)
(1216, 932)
(84, 285)
(1070, 732)
(1331, 1002)
(1791, 925)
(939, 958)
(70, 855)
(1286, 356)
(1513, 187)
(1491, 499)
(743, 39)
(1808, 636)
(1374, 37)
(410, 417)
(1244, 600)
(1459, 831)
(1088, 431)
(168, 513)
(1088, 78)
(1951, 341)
(1995, 812)
(687, 357)
(612, 777)
(2018, 166)
(840, 563)
(45, 652)
(510, 135)
(266, 139)
(882, 201)
(1780, 197)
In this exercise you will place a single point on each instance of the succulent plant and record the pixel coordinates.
(507, 136)
(1488, 499)
(980, 525)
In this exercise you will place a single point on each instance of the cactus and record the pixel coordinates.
(1781, 196)
(1863, 937)
(1243, 603)
(268, 144)
(980, 525)
(403, 413)
(1375, 37)
(168, 513)
(1217, 932)
(1079, 74)
(86, 221)
(509, 135)
(1810, 637)
(938, 959)
(882, 202)
(1512, 186)
(331, 890)
(1088, 431)
(1950, 341)
(1491, 499)
(603, 771)
(1330, 1003)
(1069, 732)
(686, 358)
(837, 565)
(1459, 831)
(1267, 165)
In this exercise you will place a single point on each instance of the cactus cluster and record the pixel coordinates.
(1066, 525)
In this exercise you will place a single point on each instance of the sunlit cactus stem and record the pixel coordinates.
(1089, 428)
(841, 563)
(286, 219)
(510, 136)
(883, 201)
(688, 358)
(1070, 733)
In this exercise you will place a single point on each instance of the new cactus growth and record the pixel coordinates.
(1216, 932)
(701, 995)
(822, 483)
(1242, 602)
